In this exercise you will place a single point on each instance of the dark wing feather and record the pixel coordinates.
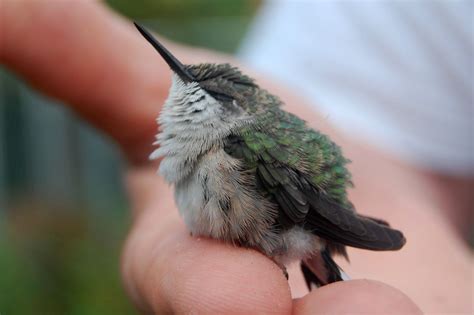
(336, 223)
(276, 181)
(326, 218)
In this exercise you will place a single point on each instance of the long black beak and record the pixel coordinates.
(171, 60)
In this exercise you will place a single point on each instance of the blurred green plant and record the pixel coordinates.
(216, 24)
(182, 9)
(61, 261)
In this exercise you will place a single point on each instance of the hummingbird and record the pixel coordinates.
(248, 173)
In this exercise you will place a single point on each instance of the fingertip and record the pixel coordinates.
(356, 297)
(213, 278)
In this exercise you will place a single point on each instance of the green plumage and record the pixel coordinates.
(282, 138)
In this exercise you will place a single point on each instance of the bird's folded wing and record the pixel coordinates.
(308, 198)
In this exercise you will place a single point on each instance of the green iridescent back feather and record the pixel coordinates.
(278, 136)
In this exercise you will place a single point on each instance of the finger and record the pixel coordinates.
(167, 270)
(356, 297)
(84, 54)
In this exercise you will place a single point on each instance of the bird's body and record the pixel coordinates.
(249, 173)
(216, 186)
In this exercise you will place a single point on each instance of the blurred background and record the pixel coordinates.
(396, 74)
(63, 214)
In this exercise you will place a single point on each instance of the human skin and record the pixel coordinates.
(93, 60)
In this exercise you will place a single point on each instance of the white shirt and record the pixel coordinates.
(397, 73)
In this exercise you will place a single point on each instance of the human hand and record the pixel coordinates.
(96, 62)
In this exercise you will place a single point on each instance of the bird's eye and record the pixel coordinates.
(220, 96)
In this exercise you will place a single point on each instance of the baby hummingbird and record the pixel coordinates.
(249, 173)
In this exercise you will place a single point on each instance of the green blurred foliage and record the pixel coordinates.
(216, 24)
(61, 261)
(183, 9)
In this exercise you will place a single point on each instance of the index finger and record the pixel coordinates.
(89, 57)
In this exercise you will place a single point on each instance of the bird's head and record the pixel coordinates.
(204, 90)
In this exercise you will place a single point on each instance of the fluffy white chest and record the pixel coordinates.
(200, 218)
(220, 201)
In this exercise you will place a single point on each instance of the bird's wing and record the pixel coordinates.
(304, 174)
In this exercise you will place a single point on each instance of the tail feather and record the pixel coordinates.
(376, 220)
(321, 269)
(336, 223)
